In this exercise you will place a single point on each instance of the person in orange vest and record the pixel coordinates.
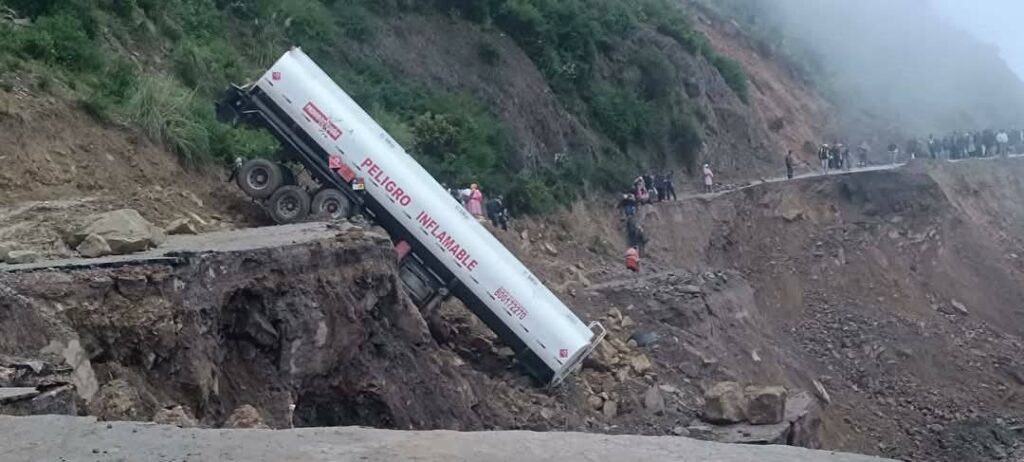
(633, 260)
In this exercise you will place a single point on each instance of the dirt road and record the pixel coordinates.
(818, 173)
(74, 439)
(178, 246)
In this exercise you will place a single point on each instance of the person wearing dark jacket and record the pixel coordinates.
(497, 213)
(667, 186)
(789, 165)
(628, 205)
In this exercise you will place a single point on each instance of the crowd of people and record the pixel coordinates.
(493, 209)
(649, 188)
(963, 145)
(954, 146)
(836, 156)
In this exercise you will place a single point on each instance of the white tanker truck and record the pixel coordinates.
(443, 251)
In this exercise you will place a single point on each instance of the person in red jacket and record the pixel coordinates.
(633, 260)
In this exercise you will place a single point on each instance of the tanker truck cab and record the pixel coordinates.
(443, 251)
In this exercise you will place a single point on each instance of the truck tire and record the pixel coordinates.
(259, 178)
(289, 204)
(332, 204)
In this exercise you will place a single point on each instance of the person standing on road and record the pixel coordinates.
(823, 158)
(669, 186)
(789, 165)
(709, 179)
(1003, 142)
(475, 201)
(862, 152)
(989, 142)
(894, 152)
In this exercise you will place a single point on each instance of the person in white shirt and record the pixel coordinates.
(1003, 141)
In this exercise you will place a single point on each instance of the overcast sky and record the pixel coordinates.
(999, 22)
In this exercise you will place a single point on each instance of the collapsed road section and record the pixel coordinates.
(307, 323)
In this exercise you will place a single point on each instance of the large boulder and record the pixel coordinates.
(19, 257)
(180, 416)
(124, 230)
(640, 364)
(94, 246)
(654, 401)
(6, 248)
(245, 416)
(766, 405)
(181, 226)
(604, 358)
(117, 400)
(725, 403)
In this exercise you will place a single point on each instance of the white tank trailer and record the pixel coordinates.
(443, 250)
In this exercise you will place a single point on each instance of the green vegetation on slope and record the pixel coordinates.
(157, 65)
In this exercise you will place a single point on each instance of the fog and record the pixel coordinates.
(903, 65)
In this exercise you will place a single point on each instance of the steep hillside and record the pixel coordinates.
(536, 99)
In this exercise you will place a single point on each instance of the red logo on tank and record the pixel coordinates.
(276, 76)
(563, 353)
(318, 117)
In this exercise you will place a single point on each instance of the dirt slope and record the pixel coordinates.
(60, 165)
(899, 291)
(786, 106)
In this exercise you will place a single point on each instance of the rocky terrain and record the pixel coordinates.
(895, 293)
(877, 312)
(868, 314)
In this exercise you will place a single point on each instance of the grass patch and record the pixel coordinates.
(163, 109)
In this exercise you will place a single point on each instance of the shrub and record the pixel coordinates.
(619, 113)
(354, 19)
(207, 67)
(167, 113)
(531, 195)
(460, 143)
(60, 40)
(488, 53)
(734, 76)
(657, 75)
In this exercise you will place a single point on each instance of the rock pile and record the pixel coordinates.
(730, 403)
(116, 233)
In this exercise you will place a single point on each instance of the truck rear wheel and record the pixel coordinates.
(259, 178)
(332, 204)
(289, 204)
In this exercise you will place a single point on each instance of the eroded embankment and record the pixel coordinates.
(321, 326)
